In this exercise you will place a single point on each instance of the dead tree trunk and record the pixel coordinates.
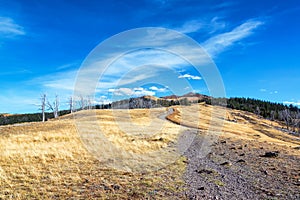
(286, 115)
(54, 107)
(89, 102)
(43, 106)
(82, 103)
(71, 104)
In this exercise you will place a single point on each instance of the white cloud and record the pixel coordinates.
(210, 26)
(155, 52)
(262, 90)
(220, 42)
(275, 92)
(62, 81)
(154, 88)
(190, 27)
(135, 92)
(215, 24)
(188, 76)
(8, 28)
(102, 100)
(292, 102)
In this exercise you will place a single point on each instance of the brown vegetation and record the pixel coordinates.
(51, 160)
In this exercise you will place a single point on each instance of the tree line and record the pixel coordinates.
(144, 102)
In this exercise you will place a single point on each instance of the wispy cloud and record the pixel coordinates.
(67, 66)
(61, 81)
(8, 28)
(220, 42)
(208, 26)
(17, 71)
(190, 26)
(215, 25)
(225, 5)
(135, 92)
(188, 76)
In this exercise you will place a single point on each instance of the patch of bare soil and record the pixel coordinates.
(239, 169)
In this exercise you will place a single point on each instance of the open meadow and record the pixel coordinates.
(62, 158)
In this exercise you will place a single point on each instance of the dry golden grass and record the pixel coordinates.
(49, 160)
(236, 124)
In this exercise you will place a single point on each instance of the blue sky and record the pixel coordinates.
(254, 44)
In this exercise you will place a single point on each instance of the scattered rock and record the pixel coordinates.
(223, 142)
(86, 180)
(226, 164)
(297, 148)
(266, 172)
(116, 187)
(158, 139)
(185, 161)
(242, 154)
(241, 161)
(206, 171)
(106, 187)
(232, 148)
(201, 188)
(271, 154)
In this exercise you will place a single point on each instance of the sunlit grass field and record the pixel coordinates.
(58, 159)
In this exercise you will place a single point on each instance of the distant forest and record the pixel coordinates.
(288, 114)
(32, 117)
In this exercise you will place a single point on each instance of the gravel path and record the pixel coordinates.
(236, 169)
(207, 179)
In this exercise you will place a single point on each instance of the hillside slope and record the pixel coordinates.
(250, 159)
(50, 160)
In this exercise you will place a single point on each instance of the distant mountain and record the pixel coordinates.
(152, 101)
(170, 97)
(191, 96)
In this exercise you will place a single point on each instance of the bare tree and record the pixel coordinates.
(89, 102)
(257, 110)
(54, 106)
(272, 115)
(71, 104)
(295, 119)
(43, 106)
(285, 115)
(81, 102)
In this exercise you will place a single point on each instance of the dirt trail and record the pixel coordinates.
(235, 167)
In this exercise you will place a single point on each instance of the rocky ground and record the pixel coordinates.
(236, 169)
